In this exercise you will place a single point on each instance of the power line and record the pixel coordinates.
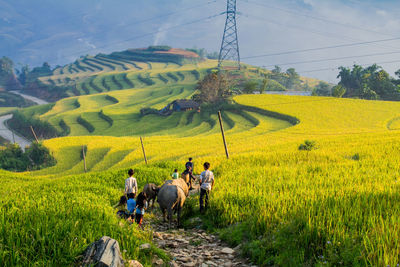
(332, 59)
(317, 18)
(335, 68)
(325, 34)
(322, 48)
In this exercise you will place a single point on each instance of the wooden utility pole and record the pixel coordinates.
(223, 134)
(84, 158)
(34, 134)
(144, 152)
(13, 137)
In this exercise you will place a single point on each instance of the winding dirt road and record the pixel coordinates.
(8, 134)
(31, 98)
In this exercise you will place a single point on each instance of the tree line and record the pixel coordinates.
(35, 157)
(371, 82)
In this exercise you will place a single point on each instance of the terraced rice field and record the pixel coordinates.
(101, 73)
(336, 205)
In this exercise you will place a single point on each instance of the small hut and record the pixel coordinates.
(185, 105)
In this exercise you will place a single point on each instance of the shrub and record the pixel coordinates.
(106, 118)
(65, 127)
(36, 156)
(21, 123)
(308, 145)
(147, 111)
(39, 156)
(146, 80)
(85, 124)
(159, 48)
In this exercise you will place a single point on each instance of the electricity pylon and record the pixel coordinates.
(230, 45)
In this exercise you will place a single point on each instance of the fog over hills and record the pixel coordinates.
(32, 32)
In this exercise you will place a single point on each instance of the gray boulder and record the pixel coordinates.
(104, 252)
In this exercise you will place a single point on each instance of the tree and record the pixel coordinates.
(276, 69)
(250, 87)
(8, 80)
(264, 85)
(322, 89)
(23, 74)
(338, 91)
(293, 78)
(39, 156)
(369, 83)
(214, 88)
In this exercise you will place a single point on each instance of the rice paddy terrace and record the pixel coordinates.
(334, 205)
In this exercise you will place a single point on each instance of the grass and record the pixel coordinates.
(334, 205)
(288, 207)
(49, 222)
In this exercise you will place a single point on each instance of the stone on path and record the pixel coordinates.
(189, 264)
(227, 251)
(173, 264)
(134, 263)
(104, 252)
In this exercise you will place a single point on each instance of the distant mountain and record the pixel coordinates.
(67, 29)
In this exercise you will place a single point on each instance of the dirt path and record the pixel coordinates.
(192, 247)
(8, 134)
(31, 98)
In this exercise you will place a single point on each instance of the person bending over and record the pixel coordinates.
(141, 206)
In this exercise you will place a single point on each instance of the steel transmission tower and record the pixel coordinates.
(230, 45)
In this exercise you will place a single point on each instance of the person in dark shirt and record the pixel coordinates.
(188, 172)
(189, 164)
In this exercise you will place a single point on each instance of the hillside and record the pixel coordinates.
(136, 68)
(286, 206)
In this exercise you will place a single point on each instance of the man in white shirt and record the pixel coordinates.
(206, 184)
(131, 183)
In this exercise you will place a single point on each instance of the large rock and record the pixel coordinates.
(103, 253)
(227, 251)
(134, 263)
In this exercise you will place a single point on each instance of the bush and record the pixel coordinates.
(308, 145)
(147, 111)
(13, 158)
(39, 156)
(273, 85)
(21, 124)
(85, 124)
(159, 48)
(106, 118)
(146, 80)
(36, 156)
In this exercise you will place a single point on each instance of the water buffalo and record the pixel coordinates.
(151, 191)
(171, 197)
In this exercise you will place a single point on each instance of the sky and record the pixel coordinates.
(271, 32)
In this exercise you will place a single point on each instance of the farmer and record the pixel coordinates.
(189, 164)
(187, 175)
(131, 183)
(122, 209)
(206, 184)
